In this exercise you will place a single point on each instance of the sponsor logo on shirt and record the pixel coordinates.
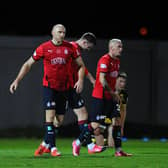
(103, 66)
(114, 74)
(100, 117)
(58, 60)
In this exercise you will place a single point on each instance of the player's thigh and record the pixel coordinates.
(97, 108)
(54, 103)
(61, 105)
(49, 98)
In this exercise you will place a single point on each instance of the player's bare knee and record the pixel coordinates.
(97, 131)
(117, 122)
(95, 127)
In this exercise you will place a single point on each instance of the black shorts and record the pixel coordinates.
(75, 100)
(61, 100)
(103, 108)
(53, 99)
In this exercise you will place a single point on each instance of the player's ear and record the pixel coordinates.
(85, 42)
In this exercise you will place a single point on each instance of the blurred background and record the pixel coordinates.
(141, 27)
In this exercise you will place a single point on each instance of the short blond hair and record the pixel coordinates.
(114, 41)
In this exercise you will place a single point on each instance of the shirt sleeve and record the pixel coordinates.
(86, 71)
(103, 65)
(75, 53)
(38, 53)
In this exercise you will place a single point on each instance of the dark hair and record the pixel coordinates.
(123, 75)
(90, 37)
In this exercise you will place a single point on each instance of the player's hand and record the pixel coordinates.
(116, 97)
(13, 86)
(79, 86)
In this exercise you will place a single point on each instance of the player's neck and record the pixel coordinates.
(112, 56)
(55, 42)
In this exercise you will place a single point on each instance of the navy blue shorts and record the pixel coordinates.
(103, 108)
(61, 100)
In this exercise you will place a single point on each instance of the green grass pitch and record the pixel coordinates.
(19, 153)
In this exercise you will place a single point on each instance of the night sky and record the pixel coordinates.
(106, 20)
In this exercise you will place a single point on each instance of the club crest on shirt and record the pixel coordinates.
(65, 51)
